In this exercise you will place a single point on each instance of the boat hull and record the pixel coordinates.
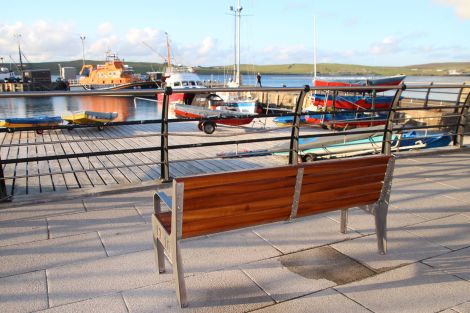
(30, 121)
(89, 117)
(342, 120)
(227, 117)
(384, 82)
(352, 102)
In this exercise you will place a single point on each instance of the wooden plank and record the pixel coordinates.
(58, 180)
(71, 179)
(205, 181)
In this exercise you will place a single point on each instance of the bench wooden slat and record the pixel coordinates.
(319, 177)
(331, 166)
(241, 221)
(341, 182)
(308, 208)
(240, 188)
(209, 180)
(228, 198)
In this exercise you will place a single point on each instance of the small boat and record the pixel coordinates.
(227, 116)
(351, 102)
(90, 118)
(37, 121)
(346, 119)
(381, 81)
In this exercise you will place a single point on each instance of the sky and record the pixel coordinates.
(201, 32)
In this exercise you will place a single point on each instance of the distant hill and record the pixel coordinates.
(295, 68)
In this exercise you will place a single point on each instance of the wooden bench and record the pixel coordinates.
(214, 203)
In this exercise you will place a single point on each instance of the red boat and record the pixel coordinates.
(360, 82)
(227, 117)
(352, 102)
(346, 119)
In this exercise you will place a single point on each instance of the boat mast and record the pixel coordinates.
(18, 36)
(170, 70)
(314, 49)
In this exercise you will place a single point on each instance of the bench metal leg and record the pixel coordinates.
(159, 255)
(344, 221)
(178, 277)
(381, 227)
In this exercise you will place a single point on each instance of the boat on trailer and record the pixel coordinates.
(36, 121)
(210, 117)
(90, 118)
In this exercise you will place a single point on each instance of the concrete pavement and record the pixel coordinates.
(94, 254)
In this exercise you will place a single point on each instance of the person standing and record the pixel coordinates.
(258, 80)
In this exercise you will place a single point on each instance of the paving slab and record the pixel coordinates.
(325, 301)
(225, 250)
(93, 221)
(414, 189)
(110, 303)
(402, 248)
(303, 233)
(220, 291)
(23, 293)
(452, 232)
(33, 211)
(119, 201)
(81, 281)
(127, 239)
(44, 254)
(280, 283)
(14, 232)
(432, 206)
(462, 308)
(414, 288)
(455, 263)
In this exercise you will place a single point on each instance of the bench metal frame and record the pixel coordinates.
(168, 244)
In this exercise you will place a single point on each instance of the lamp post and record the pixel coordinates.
(83, 48)
(237, 13)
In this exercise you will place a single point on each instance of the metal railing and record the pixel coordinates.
(459, 109)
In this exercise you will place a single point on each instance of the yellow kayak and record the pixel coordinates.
(40, 121)
(90, 117)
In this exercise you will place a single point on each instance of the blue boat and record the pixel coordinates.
(37, 121)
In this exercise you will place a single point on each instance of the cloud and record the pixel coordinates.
(105, 28)
(462, 7)
(206, 47)
(387, 45)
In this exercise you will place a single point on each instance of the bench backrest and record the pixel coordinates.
(225, 201)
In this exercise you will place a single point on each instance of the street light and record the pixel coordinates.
(83, 48)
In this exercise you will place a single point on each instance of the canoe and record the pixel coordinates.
(36, 121)
(89, 117)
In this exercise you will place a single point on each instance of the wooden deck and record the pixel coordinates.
(132, 168)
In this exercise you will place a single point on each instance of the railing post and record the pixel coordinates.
(388, 131)
(294, 138)
(460, 129)
(459, 96)
(164, 159)
(3, 188)
(426, 100)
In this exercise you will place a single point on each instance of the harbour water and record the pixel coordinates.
(130, 109)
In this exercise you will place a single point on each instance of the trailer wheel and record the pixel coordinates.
(208, 127)
(309, 157)
(199, 125)
(100, 127)
(39, 131)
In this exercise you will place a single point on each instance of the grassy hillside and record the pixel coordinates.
(295, 68)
